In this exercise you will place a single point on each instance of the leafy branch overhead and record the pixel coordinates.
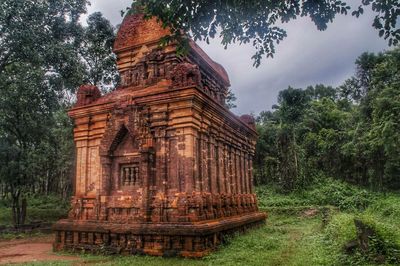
(260, 22)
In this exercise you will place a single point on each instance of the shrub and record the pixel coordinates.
(48, 202)
(384, 244)
(40, 208)
(340, 230)
(382, 217)
(269, 197)
(327, 192)
(339, 194)
(387, 207)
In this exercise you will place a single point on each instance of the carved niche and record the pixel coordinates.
(186, 74)
(149, 68)
(87, 94)
(123, 147)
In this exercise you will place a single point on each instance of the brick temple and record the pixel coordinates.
(162, 166)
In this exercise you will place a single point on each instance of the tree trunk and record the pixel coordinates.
(296, 175)
(23, 211)
(18, 209)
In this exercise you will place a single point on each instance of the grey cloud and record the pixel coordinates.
(306, 57)
(110, 9)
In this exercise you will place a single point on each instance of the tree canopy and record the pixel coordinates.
(45, 54)
(261, 22)
(350, 132)
(95, 49)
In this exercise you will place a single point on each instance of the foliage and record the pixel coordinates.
(42, 33)
(349, 133)
(260, 22)
(96, 52)
(269, 197)
(288, 238)
(386, 208)
(328, 192)
(25, 101)
(230, 100)
(280, 242)
(341, 195)
(341, 230)
(41, 208)
(45, 55)
(326, 246)
(33, 215)
(384, 245)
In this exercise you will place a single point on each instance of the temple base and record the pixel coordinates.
(163, 239)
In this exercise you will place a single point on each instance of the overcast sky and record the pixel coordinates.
(306, 57)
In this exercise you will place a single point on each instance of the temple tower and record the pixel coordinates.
(163, 167)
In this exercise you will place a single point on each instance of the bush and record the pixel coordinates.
(328, 192)
(339, 194)
(385, 243)
(40, 208)
(387, 207)
(269, 197)
(340, 230)
(383, 218)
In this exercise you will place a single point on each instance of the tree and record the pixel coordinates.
(42, 33)
(96, 52)
(322, 132)
(350, 132)
(259, 22)
(26, 106)
(45, 54)
(55, 163)
(266, 159)
(278, 155)
(321, 91)
(380, 113)
(292, 104)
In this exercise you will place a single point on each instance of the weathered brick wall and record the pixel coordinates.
(161, 154)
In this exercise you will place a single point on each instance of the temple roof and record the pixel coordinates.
(136, 31)
(214, 65)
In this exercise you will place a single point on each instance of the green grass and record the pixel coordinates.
(290, 237)
(47, 209)
(325, 193)
(40, 208)
(280, 241)
(21, 235)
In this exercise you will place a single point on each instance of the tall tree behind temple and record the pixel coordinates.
(42, 33)
(37, 62)
(291, 107)
(374, 139)
(45, 55)
(96, 52)
(351, 132)
(26, 107)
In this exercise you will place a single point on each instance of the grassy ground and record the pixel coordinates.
(304, 228)
(284, 240)
(44, 208)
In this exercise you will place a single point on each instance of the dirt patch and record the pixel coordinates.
(30, 250)
(310, 213)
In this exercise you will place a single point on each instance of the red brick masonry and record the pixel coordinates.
(163, 167)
